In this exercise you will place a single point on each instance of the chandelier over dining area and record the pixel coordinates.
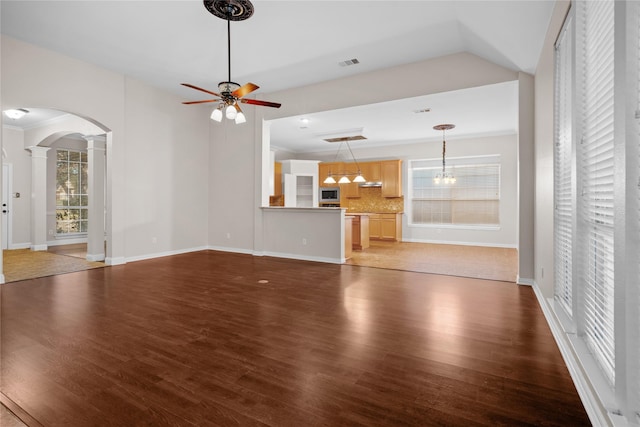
(444, 177)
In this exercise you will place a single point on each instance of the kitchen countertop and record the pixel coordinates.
(371, 213)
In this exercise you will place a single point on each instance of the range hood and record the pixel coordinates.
(371, 184)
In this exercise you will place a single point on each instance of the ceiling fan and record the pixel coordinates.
(230, 92)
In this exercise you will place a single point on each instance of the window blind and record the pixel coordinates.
(597, 170)
(563, 213)
(473, 200)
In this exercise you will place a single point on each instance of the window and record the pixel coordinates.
(474, 199)
(596, 178)
(72, 212)
(563, 160)
(597, 199)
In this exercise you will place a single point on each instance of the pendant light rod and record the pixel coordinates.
(444, 150)
(448, 178)
(229, 42)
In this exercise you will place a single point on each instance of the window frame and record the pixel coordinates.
(435, 164)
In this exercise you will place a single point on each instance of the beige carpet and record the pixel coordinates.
(477, 262)
(23, 264)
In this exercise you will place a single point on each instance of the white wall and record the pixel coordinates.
(504, 145)
(20, 159)
(165, 164)
(438, 75)
(311, 234)
(157, 152)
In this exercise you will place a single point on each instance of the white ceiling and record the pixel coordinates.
(284, 44)
(486, 110)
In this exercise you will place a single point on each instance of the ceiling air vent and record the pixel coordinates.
(348, 62)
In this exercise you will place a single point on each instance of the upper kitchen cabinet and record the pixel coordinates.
(391, 171)
(371, 171)
(325, 168)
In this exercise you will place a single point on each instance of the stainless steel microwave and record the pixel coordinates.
(329, 194)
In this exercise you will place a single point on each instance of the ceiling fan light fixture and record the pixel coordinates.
(216, 115)
(230, 92)
(231, 112)
(240, 118)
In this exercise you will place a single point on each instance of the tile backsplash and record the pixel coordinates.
(371, 200)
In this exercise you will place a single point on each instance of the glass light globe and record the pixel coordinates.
(240, 118)
(344, 180)
(216, 115)
(231, 112)
(329, 180)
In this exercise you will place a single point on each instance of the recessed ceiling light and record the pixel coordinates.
(16, 114)
(304, 120)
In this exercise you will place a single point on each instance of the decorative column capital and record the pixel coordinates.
(38, 151)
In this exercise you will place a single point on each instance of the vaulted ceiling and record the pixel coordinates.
(284, 44)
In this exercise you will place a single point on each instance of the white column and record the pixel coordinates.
(95, 237)
(38, 198)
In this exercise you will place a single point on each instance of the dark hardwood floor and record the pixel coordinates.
(201, 339)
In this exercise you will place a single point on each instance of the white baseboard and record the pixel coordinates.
(303, 257)
(596, 410)
(1, 279)
(20, 245)
(449, 242)
(235, 250)
(66, 241)
(164, 254)
(115, 260)
(525, 281)
(95, 257)
(39, 247)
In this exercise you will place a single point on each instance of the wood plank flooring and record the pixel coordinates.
(199, 339)
(479, 262)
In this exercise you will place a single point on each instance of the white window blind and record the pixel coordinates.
(473, 200)
(597, 170)
(563, 168)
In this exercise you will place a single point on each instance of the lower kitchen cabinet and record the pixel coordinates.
(385, 226)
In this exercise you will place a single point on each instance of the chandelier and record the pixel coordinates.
(444, 176)
(344, 175)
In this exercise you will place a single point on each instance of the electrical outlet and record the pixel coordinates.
(304, 241)
(50, 232)
(154, 240)
(228, 235)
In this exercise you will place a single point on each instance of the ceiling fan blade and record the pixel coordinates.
(262, 103)
(201, 102)
(200, 89)
(245, 89)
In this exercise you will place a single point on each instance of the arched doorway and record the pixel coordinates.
(36, 146)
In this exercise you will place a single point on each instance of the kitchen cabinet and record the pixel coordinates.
(391, 171)
(360, 233)
(385, 226)
(371, 171)
(277, 179)
(325, 168)
(351, 190)
(348, 237)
